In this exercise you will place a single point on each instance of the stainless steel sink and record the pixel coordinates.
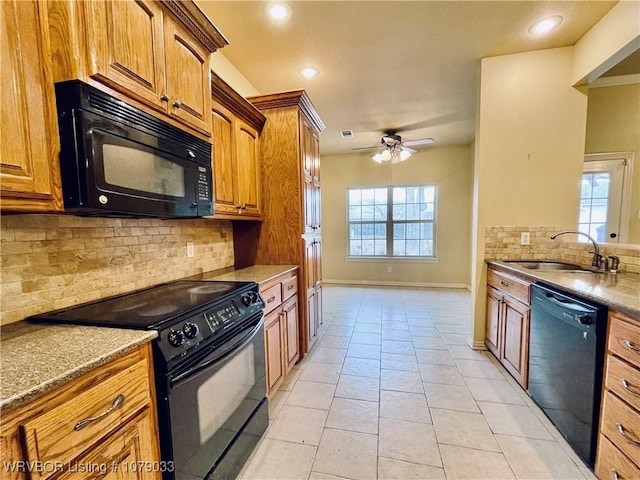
(551, 266)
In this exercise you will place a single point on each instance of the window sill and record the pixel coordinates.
(393, 259)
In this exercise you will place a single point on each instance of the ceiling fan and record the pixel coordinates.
(393, 149)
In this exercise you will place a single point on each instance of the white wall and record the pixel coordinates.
(449, 167)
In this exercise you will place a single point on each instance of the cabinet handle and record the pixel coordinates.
(631, 346)
(164, 97)
(614, 475)
(626, 435)
(290, 287)
(117, 403)
(503, 283)
(271, 299)
(176, 104)
(628, 388)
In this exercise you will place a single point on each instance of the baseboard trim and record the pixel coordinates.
(477, 345)
(383, 283)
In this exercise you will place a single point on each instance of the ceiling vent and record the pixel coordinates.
(346, 133)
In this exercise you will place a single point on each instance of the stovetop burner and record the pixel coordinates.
(153, 308)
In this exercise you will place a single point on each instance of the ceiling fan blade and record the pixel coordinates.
(410, 150)
(420, 141)
(365, 148)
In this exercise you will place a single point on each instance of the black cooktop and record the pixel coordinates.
(148, 309)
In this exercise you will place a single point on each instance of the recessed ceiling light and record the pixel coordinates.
(545, 25)
(309, 72)
(278, 10)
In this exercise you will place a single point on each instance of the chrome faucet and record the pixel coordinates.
(598, 261)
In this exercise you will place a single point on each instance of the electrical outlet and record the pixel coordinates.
(525, 238)
(389, 269)
(191, 251)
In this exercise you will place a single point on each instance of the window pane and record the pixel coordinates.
(380, 247)
(380, 212)
(413, 247)
(426, 211)
(367, 247)
(355, 197)
(355, 214)
(413, 211)
(601, 185)
(587, 180)
(355, 231)
(400, 231)
(426, 231)
(381, 196)
(429, 194)
(413, 231)
(426, 247)
(399, 195)
(355, 247)
(380, 231)
(368, 196)
(367, 230)
(399, 248)
(367, 213)
(399, 212)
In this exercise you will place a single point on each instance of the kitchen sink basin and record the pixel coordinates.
(551, 266)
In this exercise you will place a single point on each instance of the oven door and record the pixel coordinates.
(217, 407)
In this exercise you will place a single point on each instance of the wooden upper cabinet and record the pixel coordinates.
(188, 80)
(126, 48)
(29, 171)
(236, 153)
(154, 53)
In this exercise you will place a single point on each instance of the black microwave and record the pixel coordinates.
(116, 160)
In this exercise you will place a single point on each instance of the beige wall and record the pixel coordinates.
(613, 125)
(230, 74)
(449, 167)
(55, 261)
(529, 150)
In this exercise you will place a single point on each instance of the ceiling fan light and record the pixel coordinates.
(377, 157)
(404, 154)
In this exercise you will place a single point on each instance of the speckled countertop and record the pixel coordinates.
(255, 273)
(620, 291)
(35, 359)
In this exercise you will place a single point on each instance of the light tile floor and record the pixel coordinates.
(392, 391)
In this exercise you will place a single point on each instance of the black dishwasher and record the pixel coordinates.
(566, 355)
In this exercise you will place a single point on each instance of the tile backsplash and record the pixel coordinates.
(54, 261)
(503, 243)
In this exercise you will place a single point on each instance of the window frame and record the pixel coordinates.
(389, 224)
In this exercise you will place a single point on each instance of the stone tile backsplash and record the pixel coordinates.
(503, 243)
(55, 261)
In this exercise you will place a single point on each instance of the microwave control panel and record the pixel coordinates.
(203, 184)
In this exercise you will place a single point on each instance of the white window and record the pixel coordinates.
(394, 221)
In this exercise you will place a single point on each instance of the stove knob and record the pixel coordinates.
(585, 320)
(247, 299)
(190, 330)
(176, 338)
(254, 297)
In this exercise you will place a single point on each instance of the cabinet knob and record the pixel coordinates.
(164, 97)
(176, 104)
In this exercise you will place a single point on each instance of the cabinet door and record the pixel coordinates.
(306, 140)
(125, 455)
(290, 311)
(29, 172)
(248, 168)
(273, 344)
(223, 161)
(515, 334)
(317, 210)
(188, 77)
(317, 272)
(310, 287)
(492, 329)
(126, 48)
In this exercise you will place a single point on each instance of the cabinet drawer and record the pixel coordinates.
(623, 380)
(56, 435)
(272, 297)
(612, 464)
(624, 340)
(508, 284)
(289, 287)
(618, 417)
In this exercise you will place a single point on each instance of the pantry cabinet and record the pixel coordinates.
(29, 171)
(101, 425)
(507, 323)
(290, 232)
(282, 347)
(236, 154)
(618, 454)
(155, 53)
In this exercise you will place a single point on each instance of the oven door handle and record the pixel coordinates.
(216, 356)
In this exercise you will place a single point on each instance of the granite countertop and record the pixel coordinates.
(37, 358)
(619, 291)
(255, 273)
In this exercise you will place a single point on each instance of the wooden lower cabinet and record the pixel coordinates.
(282, 332)
(618, 454)
(507, 323)
(101, 425)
